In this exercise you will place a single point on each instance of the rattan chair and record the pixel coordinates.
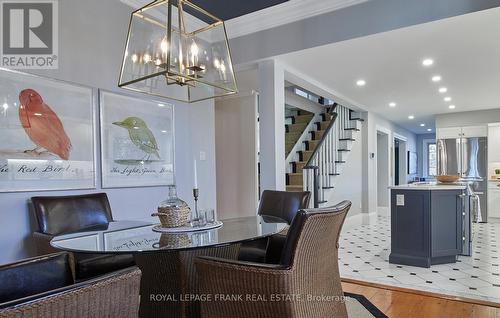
(308, 274)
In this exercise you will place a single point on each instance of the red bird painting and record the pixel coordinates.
(42, 125)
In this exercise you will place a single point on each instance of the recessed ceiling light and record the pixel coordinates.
(411, 117)
(447, 99)
(427, 62)
(161, 105)
(422, 125)
(443, 89)
(429, 129)
(436, 78)
(361, 82)
(392, 104)
(451, 107)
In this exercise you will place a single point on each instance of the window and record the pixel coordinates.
(301, 93)
(431, 159)
(312, 97)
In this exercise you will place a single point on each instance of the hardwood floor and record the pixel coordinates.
(404, 304)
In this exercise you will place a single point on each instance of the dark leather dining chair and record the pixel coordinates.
(308, 266)
(44, 286)
(275, 207)
(58, 215)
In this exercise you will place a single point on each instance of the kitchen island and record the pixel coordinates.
(426, 224)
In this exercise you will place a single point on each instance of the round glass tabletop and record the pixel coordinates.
(136, 236)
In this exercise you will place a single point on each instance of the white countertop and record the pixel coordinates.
(428, 186)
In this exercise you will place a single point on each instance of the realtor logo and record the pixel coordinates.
(29, 34)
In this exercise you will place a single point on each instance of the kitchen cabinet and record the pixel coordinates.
(459, 132)
(494, 199)
(449, 132)
(493, 140)
(474, 131)
(426, 225)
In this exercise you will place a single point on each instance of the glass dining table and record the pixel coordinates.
(169, 284)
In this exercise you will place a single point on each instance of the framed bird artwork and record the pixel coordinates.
(47, 134)
(137, 141)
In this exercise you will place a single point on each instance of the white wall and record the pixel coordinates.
(272, 125)
(383, 165)
(236, 137)
(349, 185)
(374, 123)
(92, 39)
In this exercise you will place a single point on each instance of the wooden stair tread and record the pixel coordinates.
(352, 128)
(358, 119)
(347, 139)
(343, 150)
(339, 161)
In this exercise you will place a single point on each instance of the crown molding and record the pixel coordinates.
(284, 13)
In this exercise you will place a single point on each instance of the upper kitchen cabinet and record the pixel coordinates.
(493, 149)
(475, 131)
(449, 132)
(461, 132)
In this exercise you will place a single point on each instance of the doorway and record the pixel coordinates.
(396, 162)
(383, 170)
(400, 164)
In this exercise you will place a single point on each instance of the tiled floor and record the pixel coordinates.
(364, 255)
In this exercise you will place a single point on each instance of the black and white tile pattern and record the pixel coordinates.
(364, 255)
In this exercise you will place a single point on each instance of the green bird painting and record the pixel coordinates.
(141, 136)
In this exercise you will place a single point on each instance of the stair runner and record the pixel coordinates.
(294, 130)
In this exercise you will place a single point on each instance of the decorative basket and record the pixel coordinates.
(173, 216)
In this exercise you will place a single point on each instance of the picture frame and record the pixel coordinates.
(137, 141)
(47, 129)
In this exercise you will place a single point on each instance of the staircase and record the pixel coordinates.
(295, 126)
(324, 153)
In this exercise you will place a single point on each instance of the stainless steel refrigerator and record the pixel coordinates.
(467, 158)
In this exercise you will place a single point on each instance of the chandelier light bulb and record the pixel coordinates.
(164, 46)
(146, 58)
(216, 63)
(194, 49)
(194, 53)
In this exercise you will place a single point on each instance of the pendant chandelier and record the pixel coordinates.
(177, 50)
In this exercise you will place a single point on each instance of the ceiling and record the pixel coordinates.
(466, 54)
(229, 9)
(223, 9)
